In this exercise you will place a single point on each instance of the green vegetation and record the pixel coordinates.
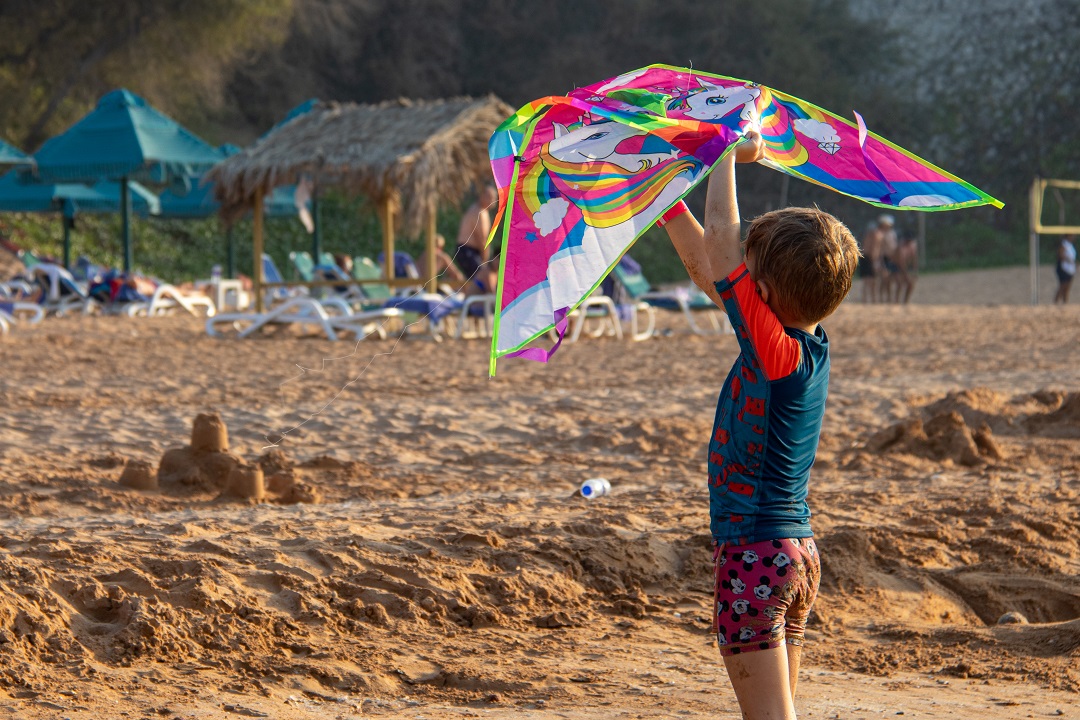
(982, 91)
(181, 250)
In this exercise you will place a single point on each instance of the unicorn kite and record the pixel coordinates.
(580, 177)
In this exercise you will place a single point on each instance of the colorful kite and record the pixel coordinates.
(581, 176)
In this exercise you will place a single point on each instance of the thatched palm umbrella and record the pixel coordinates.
(407, 156)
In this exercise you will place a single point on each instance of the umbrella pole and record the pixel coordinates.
(125, 220)
(316, 235)
(68, 222)
(230, 254)
(257, 251)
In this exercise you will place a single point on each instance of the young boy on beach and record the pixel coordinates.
(798, 268)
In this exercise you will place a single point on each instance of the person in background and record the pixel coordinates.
(886, 270)
(445, 269)
(906, 261)
(1066, 268)
(472, 254)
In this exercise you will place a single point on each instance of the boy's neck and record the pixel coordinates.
(808, 329)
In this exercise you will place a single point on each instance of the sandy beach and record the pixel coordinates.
(422, 552)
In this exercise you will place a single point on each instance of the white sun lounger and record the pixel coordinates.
(470, 325)
(167, 298)
(306, 311)
(62, 293)
(16, 288)
(21, 313)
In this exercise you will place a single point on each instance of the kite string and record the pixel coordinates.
(305, 370)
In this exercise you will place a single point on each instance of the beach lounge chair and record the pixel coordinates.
(327, 269)
(271, 274)
(21, 312)
(333, 317)
(477, 317)
(167, 298)
(303, 265)
(16, 288)
(431, 307)
(364, 269)
(595, 307)
(404, 265)
(60, 294)
(689, 303)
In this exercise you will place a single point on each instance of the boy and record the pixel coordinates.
(798, 268)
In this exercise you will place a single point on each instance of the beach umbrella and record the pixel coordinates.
(200, 203)
(70, 199)
(125, 139)
(301, 109)
(11, 156)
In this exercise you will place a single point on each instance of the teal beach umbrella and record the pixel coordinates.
(124, 139)
(70, 199)
(11, 155)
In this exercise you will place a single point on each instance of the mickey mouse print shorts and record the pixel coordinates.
(763, 593)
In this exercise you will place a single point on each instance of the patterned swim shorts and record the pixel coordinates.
(763, 593)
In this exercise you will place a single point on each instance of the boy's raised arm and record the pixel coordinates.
(712, 253)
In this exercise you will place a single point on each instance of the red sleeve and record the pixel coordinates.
(759, 331)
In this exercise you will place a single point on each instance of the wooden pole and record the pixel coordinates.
(388, 237)
(430, 272)
(257, 252)
(1035, 211)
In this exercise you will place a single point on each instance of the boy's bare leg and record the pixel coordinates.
(760, 679)
(794, 659)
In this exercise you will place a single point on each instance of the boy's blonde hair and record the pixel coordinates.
(808, 259)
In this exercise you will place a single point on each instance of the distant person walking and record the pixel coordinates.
(1066, 268)
(886, 269)
(907, 269)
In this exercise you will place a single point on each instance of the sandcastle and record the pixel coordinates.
(246, 481)
(206, 465)
(139, 475)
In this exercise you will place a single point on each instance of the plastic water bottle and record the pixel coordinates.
(215, 274)
(594, 488)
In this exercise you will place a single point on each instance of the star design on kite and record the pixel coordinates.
(530, 236)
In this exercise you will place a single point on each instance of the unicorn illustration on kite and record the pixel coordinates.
(582, 176)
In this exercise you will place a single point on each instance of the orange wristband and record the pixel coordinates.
(673, 212)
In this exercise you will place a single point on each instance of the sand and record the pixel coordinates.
(418, 549)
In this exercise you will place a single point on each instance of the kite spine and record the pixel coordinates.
(507, 216)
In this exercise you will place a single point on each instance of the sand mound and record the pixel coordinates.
(263, 605)
(980, 406)
(961, 427)
(1061, 421)
(944, 437)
